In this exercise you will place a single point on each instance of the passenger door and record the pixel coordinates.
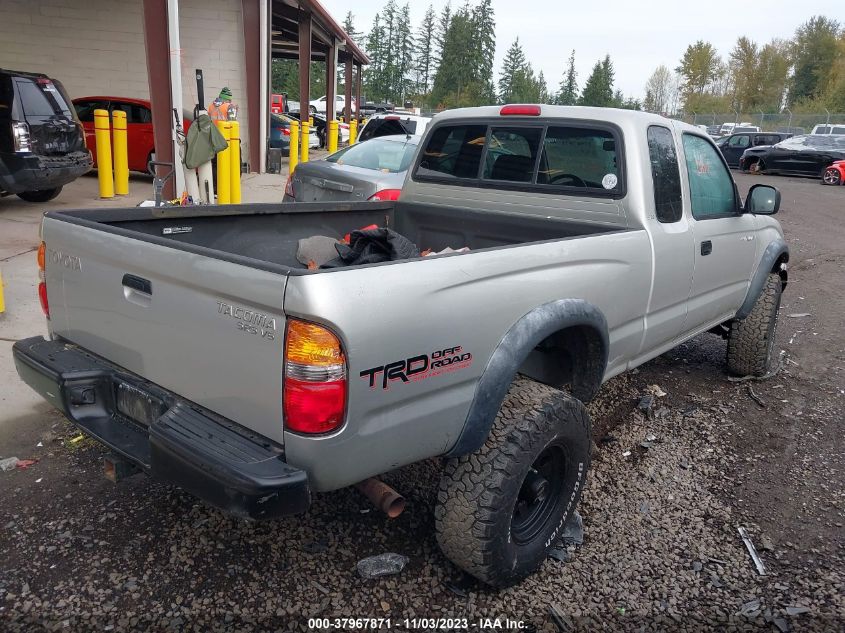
(724, 238)
(672, 241)
(139, 133)
(734, 148)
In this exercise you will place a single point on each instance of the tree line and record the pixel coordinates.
(804, 74)
(446, 61)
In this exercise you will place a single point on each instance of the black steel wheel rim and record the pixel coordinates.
(539, 494)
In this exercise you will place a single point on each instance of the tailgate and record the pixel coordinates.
(208, 330)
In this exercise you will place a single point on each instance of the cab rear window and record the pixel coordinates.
(545, 158)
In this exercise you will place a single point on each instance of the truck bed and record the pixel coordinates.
(266, 235)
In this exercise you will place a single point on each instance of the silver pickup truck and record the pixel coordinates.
(193, 343)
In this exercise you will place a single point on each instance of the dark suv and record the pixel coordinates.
(42, 144)
(734, 145)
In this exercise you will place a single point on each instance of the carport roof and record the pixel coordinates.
(285, 32)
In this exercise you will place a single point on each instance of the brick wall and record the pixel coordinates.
(96, 47)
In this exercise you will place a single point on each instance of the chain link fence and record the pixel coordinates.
(780, 122)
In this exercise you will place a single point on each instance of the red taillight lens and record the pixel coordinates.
(284, 131)
(315, 379)
(289, 187)
(42, 297)
(314, 407)
(520, 110)
(385, 194)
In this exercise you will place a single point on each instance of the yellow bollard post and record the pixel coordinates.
(353, 131)
(303, 153)
(235, 162)
(293, 150)
(102, 133)
(2, 301)
(332, 142)
(121, 153)
(224, 169)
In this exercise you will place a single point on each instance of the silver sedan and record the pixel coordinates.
(370, 170)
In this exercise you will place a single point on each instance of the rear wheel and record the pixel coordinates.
(42, 195)
(756, 167)
(831, 176)
(500, 508)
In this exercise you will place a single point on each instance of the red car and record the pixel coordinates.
(835, 174)
(139, 127)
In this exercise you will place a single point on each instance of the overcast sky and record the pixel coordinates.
(639, 35)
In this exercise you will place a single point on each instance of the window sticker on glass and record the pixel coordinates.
(609, 181)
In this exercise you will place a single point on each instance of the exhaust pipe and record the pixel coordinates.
(382, 496)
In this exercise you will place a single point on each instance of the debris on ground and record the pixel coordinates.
(655, 391)
(766, 543)
(646, 405)
(755, 397)
(799, 315)
(561, 621)
(573, 531)
(23, 464)
(8, 463)
(758, 562)
(381, 565)
(796, 609)
(315, 547)
(77, 439)
(319, 587)
(751, 609)
(559, 554)
(782, 625)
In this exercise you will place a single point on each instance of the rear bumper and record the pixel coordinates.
(212, 458)
(19, 173)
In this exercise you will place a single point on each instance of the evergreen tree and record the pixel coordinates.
(598, 91)
(403, 48)
(440, 33)
(375, 45)
(512, 77)
(484, 47)
(424, 52)
(349, 27)
(568, 94)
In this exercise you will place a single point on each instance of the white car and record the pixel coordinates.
(319, 105)
(829, 128)
(394, 123)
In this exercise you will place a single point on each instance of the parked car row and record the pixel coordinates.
(807, 155)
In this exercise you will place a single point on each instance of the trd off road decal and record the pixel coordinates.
(418, 367)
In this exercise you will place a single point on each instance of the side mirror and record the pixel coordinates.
(762, 200)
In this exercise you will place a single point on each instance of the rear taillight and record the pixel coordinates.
(385, 194)
(314, 379)
(20, 136)
(520, 109)
(284, 131)
(42, 279)
(289, 187)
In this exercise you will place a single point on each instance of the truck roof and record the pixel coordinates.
(587, 113)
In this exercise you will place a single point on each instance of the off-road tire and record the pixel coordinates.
(751, 340)
(42, 195)
(479, 491)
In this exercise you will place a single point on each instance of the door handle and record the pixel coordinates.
(706, 247)
(138, 283)
(137, 290)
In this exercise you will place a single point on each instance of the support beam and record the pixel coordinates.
(331, 83)
(158, 74)
(175, 48)
(304, 63)
(252, 57)
(358, 93)
(347, 106)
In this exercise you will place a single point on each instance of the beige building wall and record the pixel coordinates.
(96, 47)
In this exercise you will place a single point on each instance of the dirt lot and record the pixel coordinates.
(661, 548)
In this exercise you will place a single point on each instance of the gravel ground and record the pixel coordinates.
(663, 502)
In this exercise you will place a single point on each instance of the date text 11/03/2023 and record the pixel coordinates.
(412, 624)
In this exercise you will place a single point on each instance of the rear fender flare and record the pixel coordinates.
(511, 352)
(777, 250)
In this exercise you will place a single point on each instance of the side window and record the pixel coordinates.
(85, 109)
(453, 151)
(665, 174)
(766, 140)
(511, 154)
(134, 112)
(33, 99)
(739, 141)
(579, 157)
(711, 186)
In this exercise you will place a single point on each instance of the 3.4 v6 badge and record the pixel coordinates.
(419, 367)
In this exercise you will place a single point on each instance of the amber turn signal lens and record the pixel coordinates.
(311, 344)
(42, 251)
